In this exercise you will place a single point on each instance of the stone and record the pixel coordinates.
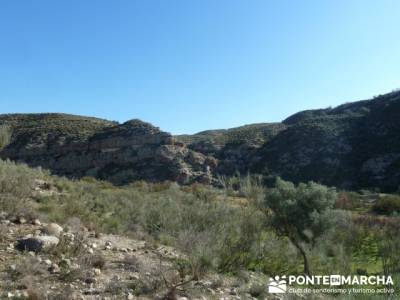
(21, 220)
(36, 222)
(48, 240)
(52, 229)
(54, 269)
(29, 244)
(96, 271)
(134, 277)
(36, 244)
(48, 262)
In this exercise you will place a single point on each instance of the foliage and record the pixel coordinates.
(301, 212)
(387, 205)
(36, 124)
(348, 201)
(16, 184)
(255, 133)
(5, 136)
(215, 230)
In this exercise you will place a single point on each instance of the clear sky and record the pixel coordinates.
(187, 65)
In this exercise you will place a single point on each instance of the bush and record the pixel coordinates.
(5, 136)
(17, 182)
(387, 205)
(348, 200)
(301, 213)
(213, 230)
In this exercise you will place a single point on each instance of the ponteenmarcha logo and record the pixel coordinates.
(279, 284)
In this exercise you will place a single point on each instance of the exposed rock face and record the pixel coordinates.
(233, 148)
(355, 145)
(77, 146)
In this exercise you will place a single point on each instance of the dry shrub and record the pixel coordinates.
(5, 136)
(36, 293)
(29, 266)
(96, 260)
(131, 263)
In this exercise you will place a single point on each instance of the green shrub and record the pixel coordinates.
(208, 226)
(5, 136)
(348, 200)
(301, 213)
(387, 205)
(17, 183)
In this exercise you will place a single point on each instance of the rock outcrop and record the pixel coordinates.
(352, 146)
(121, 153)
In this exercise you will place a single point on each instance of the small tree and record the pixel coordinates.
(5, 136)
(301, 213)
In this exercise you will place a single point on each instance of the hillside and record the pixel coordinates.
(77, 146)
(87, 240)
(353, 146)
(253, 133)
(64, 239)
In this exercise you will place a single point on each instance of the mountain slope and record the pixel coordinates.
(233, 148)
(355, 145)
(78, 146)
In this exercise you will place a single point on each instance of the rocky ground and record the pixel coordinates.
(47, 261)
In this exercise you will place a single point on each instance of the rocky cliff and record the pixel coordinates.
(121, 153)
(355, 145)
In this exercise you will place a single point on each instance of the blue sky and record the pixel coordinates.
(187, 66)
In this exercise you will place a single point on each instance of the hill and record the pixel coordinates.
(355, 145)
(352, 146)
(77, 146)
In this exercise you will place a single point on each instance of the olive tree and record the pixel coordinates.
(301, 213)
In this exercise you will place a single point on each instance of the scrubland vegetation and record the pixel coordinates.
(283, 229)
(5, 135)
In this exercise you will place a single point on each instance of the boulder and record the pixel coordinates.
(48, 240)
(36, 244)
(29, 244)
(52, 229)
